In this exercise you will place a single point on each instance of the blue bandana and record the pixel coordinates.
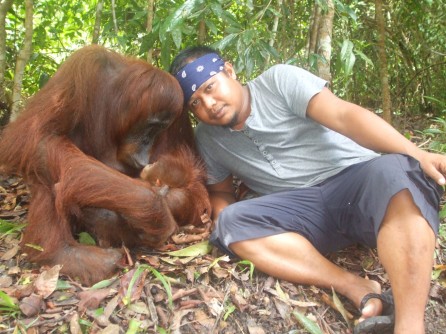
(194, 74)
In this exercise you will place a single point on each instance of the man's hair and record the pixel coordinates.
(188, 55)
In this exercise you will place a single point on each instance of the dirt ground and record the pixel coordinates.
(204, 292)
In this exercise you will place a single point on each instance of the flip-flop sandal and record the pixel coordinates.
(383, 323)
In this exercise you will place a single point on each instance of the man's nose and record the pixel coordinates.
(208, 101)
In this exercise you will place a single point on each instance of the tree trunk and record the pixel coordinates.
(201, 32)
(149, 27)
(383, 73)
(97, 22)
(312, 38)
(5, 5)
(22, 59)
(325, 31)
(274, 29)
(115, 23)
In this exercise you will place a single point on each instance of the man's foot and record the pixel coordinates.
(386, 299)
(358, 288)
(374, 323)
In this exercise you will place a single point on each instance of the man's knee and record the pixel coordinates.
(233, 212)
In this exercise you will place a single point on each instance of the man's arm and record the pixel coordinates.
(221, 194)
(370, 131)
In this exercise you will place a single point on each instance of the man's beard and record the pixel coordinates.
(233, 122)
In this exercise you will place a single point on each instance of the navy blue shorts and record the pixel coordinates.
(345, 209)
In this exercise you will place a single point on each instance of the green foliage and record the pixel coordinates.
(138, 272)
(437, 134)
(247, 264)
(442, 232)
(133, 326)
(243, 31)
(306, 323)
(229, 309)
(7, 305)
(86, 239)
(10, 228)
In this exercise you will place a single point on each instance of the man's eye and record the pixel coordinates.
(194, 103)
(209, 87)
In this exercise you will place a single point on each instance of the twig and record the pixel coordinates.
(217, 319)
(183, 293)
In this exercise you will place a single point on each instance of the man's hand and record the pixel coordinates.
(434, 165)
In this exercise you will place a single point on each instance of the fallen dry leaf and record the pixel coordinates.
(10, 253)
(32, 305)
(46, 282)
(137, 287)
(75, 328)
(90, 299)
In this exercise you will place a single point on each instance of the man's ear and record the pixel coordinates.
(229, 69)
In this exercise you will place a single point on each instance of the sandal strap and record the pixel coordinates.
(386, 298)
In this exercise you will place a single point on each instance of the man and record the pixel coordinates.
(312, 157)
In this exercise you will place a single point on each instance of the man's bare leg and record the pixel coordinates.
(406, 246)
(291, 257)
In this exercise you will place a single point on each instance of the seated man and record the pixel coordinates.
(312, 157)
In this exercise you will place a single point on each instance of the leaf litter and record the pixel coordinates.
(190, 287)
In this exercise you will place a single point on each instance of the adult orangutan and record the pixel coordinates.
(81, 143)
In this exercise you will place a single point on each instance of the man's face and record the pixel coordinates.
(219, 100)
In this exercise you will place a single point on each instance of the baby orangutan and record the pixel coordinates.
(180, 177)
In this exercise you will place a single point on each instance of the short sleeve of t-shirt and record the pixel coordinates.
(295, 85)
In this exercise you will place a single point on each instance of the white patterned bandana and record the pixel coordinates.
(194, 74)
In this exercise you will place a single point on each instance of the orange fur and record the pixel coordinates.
(81, 143)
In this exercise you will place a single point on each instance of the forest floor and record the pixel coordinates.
(197, 291)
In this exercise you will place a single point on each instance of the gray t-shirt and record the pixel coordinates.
(279, 147)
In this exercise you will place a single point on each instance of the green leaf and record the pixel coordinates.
(147, 42)
(280, 292)
(8, 228)
(347, 56)
(104, 283)
(271, 50)
(364, 57)
(133, 326)
(212, 27)
(36, 247)
(247, 263)
(351, 13)
(435, 274)
(225, 16)
(181, 13)
(225, 42)
(177, 37)
(442, 212)
(229, 310)
(5, 300)
(248, 35)
(138, 271)
(165, 53)
(340, 307)
(307, 324)
(157, 274)
(63, 285)
(166, 285)
(201, 248)
(86, 239)
(346, 49)
(7, 305)
(161, 330)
